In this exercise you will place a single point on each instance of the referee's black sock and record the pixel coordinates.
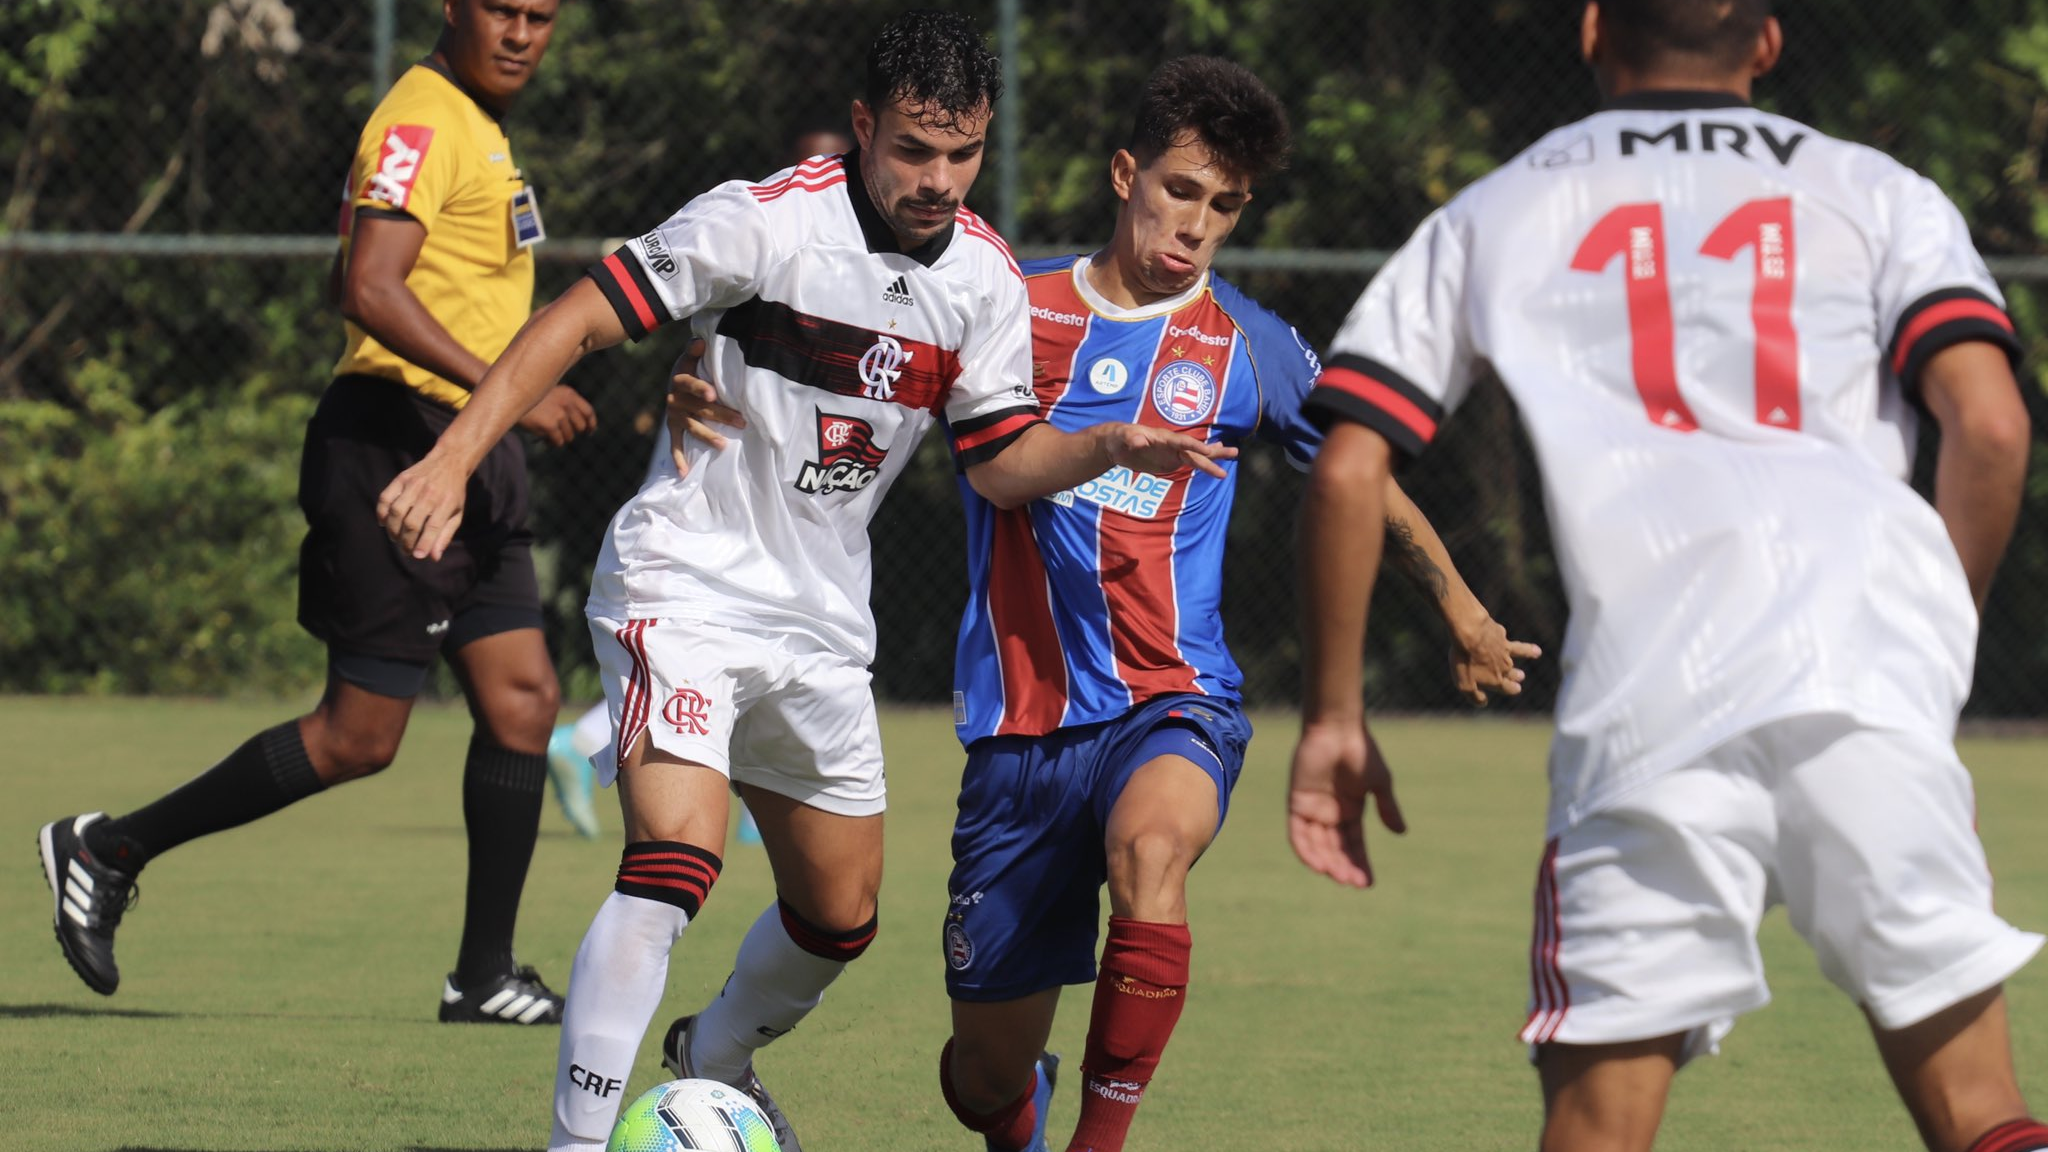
(501, 802)
(269, 771)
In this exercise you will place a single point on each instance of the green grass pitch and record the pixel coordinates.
(279, 981)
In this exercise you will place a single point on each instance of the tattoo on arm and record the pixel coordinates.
(1408, 556)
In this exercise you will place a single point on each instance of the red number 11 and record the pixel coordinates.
(1635, 232)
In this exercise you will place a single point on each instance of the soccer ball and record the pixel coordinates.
(692, 1114)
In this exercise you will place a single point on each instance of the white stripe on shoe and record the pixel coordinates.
(539, 1009)
(496, 1002)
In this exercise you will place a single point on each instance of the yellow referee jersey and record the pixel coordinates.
(433, 153)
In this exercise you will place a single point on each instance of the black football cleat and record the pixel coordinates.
(90, 898)
(675, 1056)
(518, 997)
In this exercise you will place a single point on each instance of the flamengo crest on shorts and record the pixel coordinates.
(688, 711)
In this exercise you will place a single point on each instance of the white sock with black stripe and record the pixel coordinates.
(614, 988)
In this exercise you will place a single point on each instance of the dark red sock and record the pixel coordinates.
(2013, 1136)
(1007, 1127)
(1138, 999)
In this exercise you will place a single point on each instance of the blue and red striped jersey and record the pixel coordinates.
(1089, 601)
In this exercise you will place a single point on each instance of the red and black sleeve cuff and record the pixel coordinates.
(978, 440)
(1944, 318)
(623, 280)
(1366, 391)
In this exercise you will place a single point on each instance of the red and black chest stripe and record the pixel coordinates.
(840, 358)
(815, 351)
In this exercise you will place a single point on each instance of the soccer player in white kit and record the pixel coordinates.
(847, 303)
(1717, 324)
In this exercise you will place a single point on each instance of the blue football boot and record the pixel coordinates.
(1048, 1074)
(575, 782)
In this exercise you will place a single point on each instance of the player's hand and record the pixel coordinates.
(1335, 769)
(693, 407)
(423, 506)
(1483, 660)
(1156, 450)
(561, 416)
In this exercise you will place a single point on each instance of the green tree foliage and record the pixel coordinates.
(150, 410)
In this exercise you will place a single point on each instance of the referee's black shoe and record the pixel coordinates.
(89, 898)
(518, 997)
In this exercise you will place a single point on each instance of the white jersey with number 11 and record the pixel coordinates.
(1713, 321)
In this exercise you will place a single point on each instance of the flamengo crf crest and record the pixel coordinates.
(880, 366)
(689, 711)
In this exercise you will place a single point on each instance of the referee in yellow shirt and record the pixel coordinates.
(435, 276)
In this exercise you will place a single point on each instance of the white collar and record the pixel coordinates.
(1101, 304)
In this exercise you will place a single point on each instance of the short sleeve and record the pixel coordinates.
(1288, 371)
(1932, 288)
(714, 253)
(1403, 357)
(402, 170)
(991, 402)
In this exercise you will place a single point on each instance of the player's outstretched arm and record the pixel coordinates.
(423, 506)
(1045, 460)
(1982, 468)
(1336, 765)
(1482, 656)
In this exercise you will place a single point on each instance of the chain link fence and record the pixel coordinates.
(173, 169)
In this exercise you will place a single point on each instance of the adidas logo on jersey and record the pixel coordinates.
(898, 292)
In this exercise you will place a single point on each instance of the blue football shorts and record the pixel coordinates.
(1028, 859)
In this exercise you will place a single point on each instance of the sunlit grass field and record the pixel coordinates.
(279, 981)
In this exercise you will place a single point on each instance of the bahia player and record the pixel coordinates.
(1099, 705)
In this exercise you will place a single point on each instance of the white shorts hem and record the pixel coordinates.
(1704, 1028)
(807, 794)
(1981, 969)
(694, 751)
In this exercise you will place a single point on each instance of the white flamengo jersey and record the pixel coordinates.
(841, 350)
(1712, 320)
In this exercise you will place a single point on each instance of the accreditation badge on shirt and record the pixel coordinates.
(526, 226)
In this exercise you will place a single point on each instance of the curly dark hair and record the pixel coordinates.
(1648, 33)
(936, 63)
(1219, 103)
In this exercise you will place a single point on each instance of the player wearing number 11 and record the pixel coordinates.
(1718, 325)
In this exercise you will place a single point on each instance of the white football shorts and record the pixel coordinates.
(777, 710)
(1647, 911)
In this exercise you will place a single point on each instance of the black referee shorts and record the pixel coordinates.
(358, 590)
